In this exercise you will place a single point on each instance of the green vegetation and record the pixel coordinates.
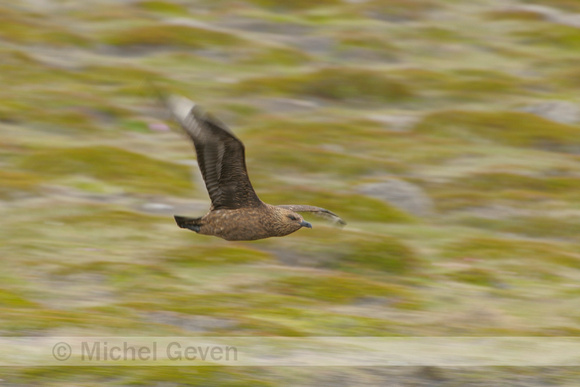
(397, 10)
(532, 226)
(276, 56)
(502, 181)
(338, 84)
(514, 14)
(128, 170)
(552, 35)
(384, 254)
(163, 7)
(188, 256)
(317, 160)
(143, 376)
(475, 104)
(30, 28)
(319, 133)
(170, 35)
(479, 277)
(568, 78)
(507, 249)
(117, 75)
(16, 184)
(508, 128)
(496, 187)
(11, 300)
(496, 262)
(464, 85)
(360, 39)
(98, 216)
(281, 5)
(567, 5)
(475, 83)
(325, 288)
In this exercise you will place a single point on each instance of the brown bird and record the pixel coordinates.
(236, 213)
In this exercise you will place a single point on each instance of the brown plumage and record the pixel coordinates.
(236, 213)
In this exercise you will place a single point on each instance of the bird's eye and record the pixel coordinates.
(292, 217)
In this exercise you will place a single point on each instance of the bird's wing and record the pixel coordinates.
(323, 213)
(220, 155)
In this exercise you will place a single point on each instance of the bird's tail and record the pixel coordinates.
(193, 224)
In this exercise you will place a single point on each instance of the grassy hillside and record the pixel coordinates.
(445, 132)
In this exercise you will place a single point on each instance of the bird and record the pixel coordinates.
(236, 212)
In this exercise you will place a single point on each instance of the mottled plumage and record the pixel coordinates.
(236, 212)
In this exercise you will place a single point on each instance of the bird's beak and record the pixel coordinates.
(305, 224)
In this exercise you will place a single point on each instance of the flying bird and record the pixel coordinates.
(236, 213)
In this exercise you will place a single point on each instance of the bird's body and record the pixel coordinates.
(236, 214)
(249, 223)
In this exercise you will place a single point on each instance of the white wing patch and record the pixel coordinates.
(180, 106)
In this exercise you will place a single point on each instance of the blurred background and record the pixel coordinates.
(445, 132)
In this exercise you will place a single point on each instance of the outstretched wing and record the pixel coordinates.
(220, 155)
(323, 213)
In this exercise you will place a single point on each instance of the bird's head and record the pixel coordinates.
(290, 221)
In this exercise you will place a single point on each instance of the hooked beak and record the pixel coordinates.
(305, 224)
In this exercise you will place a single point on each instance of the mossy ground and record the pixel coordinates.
(327, 96)
(333, 84)
(111, 165)
(168, 35)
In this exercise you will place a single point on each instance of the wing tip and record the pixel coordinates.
(180, 106)
(337, 220)
(330, 216)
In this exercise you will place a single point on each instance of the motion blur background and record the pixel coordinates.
(445, 132)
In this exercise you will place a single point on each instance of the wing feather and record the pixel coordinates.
(220, 155)
(321, 212)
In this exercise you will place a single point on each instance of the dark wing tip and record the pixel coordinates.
(337, 220)
(329, 215)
